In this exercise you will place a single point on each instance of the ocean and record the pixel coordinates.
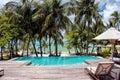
(60, 48)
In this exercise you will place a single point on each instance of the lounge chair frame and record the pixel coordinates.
(103, 73)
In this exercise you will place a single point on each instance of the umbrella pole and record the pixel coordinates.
(112, 41)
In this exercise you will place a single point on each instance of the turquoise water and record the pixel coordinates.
(60, 48)
(57, 61)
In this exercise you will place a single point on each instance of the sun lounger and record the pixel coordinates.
(103, 70)
(1, 71)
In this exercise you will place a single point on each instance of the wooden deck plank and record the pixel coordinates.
(19, 71)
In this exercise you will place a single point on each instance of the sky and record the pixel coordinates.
(108, 6)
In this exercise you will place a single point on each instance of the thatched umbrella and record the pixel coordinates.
(111, 34)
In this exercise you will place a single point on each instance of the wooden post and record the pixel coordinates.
(112, 41)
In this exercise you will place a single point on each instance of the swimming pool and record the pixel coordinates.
(57, 61)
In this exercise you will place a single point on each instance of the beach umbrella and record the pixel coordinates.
(111, 34)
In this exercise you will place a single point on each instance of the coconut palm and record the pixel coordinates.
(95, 31)
(115, 19)
(41, 12)
(86, 12)
(72, 39)
(56, 19)
(24, 11)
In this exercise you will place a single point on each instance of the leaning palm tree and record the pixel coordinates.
(56, 19)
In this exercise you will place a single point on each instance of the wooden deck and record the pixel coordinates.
(17, 70)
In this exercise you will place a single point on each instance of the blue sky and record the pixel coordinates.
(109, 6)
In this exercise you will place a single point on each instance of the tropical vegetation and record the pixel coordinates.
(24, 23)
(105, 52)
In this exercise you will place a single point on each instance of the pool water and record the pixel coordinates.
(57, 61)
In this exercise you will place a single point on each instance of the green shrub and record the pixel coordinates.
(105, 52)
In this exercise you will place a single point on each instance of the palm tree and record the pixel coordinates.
(115, 19)
(72, 39)
(42, 10)
(86, 12)
(95, 31)
(56, 20)
(38, 19)
(81, 37)
(24, 11)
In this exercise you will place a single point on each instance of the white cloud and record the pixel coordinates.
(111, 6)
(108, 11)
(118, 0)
(3, 2)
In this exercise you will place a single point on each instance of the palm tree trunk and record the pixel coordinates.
(41, 52)
(23, 47)
(50, 44)
(9, 50)
(1, 54)
(87, 47)
(56, 45)
(69, 51)
(77, 50)
(12, 49)
(33, 43)
(16, 46)
(31, 36)
(92, 49)
(87, 42)
(28, 45)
